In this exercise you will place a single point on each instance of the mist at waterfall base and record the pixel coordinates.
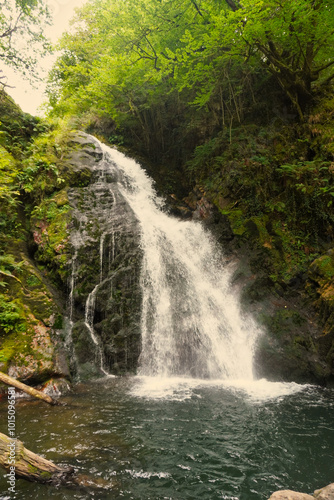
(194, 423)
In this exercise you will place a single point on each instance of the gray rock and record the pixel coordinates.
(105, 239)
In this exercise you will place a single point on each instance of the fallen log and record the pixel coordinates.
(22, 463)
(6, 379)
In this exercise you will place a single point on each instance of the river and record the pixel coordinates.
(157, 439)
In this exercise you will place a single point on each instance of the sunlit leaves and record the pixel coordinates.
(8, 171)
(125, 50)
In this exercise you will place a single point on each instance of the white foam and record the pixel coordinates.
(182, 388)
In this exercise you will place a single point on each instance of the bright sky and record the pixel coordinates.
(27, 97)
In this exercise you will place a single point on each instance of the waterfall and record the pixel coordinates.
(89, 319)
(72, 283)
(191, 322)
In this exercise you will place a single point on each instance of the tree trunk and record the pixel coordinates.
(23, 463)
(6, 379)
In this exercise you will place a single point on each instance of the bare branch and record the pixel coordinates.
(11, 30)
(4, 83)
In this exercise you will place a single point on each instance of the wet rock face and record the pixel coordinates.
(105, 297)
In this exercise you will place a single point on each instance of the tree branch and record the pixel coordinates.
(234, 6)
(11, 30)
(325, 66)
(197, 8)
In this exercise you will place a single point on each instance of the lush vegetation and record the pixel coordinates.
(232, 99)
(33, 210)
(232, 95)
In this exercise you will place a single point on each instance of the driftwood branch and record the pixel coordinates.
(25, 464)
(6, 379)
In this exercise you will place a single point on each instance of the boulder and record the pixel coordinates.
(326, 493)
(290, 495)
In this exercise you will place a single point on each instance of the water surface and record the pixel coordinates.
(152, 439)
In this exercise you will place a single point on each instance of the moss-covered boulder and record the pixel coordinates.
(30, 313)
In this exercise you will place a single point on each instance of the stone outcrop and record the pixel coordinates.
(105, 269)
(326, 493)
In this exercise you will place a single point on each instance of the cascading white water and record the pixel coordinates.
(72, 282)
(191, 321)
(89, 317)
(101, 254)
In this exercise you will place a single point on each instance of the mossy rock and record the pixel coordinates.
(322, 269)
(28, 355)
(50, 230)
(321, 288)
(79, 178)
(61, 198)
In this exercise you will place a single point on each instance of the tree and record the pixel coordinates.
(126, 55)
(21, 35)
(117, 63)
(294, 40)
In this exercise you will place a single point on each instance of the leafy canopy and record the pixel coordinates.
(124, 50)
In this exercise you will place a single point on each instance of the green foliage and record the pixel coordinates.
(125, 57)
(17, 128)
(274, 197)
(41, 172)
(10, 314)
(49, 224)
(312, 178)
(8, 170)
(21, 35)
(32, 280)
